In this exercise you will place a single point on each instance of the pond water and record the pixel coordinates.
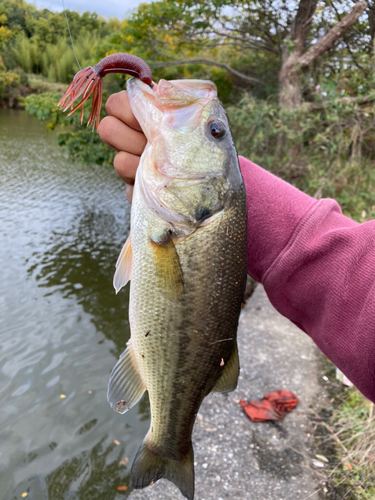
(62, 327)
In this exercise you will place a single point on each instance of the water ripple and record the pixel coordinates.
(61, 324)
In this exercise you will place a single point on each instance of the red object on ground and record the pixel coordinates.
(273, 406)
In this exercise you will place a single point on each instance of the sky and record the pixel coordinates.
(107, 8)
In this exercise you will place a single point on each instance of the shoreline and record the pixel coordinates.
(17, 87)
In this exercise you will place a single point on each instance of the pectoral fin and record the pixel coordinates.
(123, 266)
(126, 386)
(229, 378)
(168, 269)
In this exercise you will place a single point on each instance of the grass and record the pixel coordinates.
(354, 425)
(344, 433)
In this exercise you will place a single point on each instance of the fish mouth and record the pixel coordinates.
(183, 102)
(178, 104)
(171, 178)
(182, 93)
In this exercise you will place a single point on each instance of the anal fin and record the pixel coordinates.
(149, 467)
(126, 386)
(229, 378)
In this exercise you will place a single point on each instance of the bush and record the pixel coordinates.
(79, 141)
(44, 107)
(9, 88)
(325, 149)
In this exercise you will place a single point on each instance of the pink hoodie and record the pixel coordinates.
(318, 269)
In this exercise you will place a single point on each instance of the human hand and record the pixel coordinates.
(122, 132)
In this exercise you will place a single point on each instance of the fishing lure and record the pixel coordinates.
(89, 81)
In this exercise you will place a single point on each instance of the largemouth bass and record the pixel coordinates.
(186, 258)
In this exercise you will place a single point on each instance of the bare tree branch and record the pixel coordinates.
(209, 63)
(332, 36)
(255, 43)
(361, 101)
(302, 23)
(354, 58)
(238, 41)
(371, 20)
(290, 90)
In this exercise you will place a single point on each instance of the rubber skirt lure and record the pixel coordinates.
(89, 81)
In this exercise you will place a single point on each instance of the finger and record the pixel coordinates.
(126, 166)
(118, 106)
(120, 136)
(129, 193)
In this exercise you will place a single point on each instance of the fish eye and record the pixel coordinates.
(217, 129)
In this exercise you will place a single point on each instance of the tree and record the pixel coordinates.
(295, 60)
(5, 33)
(292, 35)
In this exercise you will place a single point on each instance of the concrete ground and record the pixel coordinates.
(236, 458)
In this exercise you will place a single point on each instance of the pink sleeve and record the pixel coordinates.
(318, 269)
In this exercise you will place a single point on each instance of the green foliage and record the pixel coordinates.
(84, 145)
(249, 35)
(54, 61)
(38, 41)
(343, 435)
(38, 85)
(80, 142)
(44, 107)
(5, 35)
(354, 425)
(328, 150)
(9, 85)
(159, 32)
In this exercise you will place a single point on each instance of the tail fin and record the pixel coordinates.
(148, 468)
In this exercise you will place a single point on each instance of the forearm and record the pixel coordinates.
(318, 269)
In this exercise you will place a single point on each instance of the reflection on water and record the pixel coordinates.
(61, 325)
(79, 263)
(93, 474)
